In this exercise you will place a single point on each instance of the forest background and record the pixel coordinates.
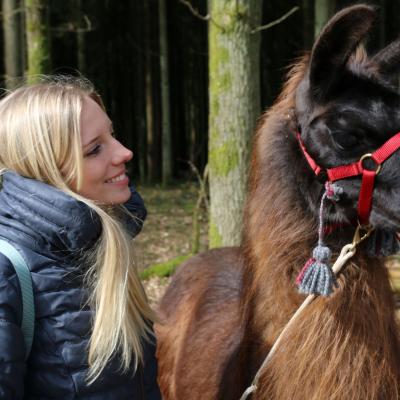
(184, 82)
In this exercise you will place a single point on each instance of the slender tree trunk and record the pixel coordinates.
(38, 43)
(149, 123)
(150, 128)
(323, 11)
(80, 38)
(140, 97)
(12, 42)
(234, 108)
(165, 105)
(308, 23)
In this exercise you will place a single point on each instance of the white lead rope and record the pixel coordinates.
(346, 253)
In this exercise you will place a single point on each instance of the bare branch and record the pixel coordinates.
(71, 27)
(89, 26)
(14, 12)
(202, 182)
(277, 21)
(196, 13)
(201, 199)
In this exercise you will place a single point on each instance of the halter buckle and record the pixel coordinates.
(369, 156)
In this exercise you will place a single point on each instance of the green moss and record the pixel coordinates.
(214, 237)
(219, 55)
(214, 106)
(163, 269)
(224, 158)
(242, 11)
(223, 55)
(224, 82)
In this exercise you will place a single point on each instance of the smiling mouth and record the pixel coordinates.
(117, 179)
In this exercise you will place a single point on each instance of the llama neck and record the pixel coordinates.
(279, 231)
(343, 347)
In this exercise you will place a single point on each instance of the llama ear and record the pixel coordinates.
(388, 59)
(335, 44)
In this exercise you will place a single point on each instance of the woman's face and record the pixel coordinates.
(104, 158)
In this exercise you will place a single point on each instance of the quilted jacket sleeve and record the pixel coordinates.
(135, 205)
(12, 345)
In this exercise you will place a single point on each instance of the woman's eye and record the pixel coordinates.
(95, 150)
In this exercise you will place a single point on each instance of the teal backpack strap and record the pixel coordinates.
(25, 281)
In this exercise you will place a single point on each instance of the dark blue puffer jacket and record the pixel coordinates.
(50, 228)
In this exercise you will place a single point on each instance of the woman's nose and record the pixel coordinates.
(122, 154)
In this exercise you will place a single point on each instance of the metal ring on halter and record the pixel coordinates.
(370, 156)
(362, 232)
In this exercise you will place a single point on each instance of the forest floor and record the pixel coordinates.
(168, 231)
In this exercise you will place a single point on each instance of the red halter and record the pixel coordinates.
(358, 168)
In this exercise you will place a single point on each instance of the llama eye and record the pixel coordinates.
(345, 140)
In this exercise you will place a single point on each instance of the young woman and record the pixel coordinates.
(67, 207)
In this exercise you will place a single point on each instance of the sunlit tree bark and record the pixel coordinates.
(234, 90)
(38, 41)
(13, 47)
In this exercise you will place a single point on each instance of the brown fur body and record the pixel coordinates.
(225, 308)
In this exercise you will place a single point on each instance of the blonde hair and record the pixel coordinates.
(40, 138)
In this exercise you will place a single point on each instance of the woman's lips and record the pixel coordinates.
(121, 179)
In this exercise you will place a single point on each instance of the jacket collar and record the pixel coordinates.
(47, 212)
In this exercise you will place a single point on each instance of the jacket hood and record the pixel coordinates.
(33, 208)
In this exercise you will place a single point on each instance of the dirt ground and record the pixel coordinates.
(168, 230)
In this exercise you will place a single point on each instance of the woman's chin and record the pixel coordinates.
(120, 198)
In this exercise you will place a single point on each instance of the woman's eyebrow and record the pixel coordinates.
(98, 136)
(91, 141)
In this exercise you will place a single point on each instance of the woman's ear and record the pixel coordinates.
(335, 44)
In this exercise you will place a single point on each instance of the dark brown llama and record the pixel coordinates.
(225, 308)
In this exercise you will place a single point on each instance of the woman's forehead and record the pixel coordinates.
(94, 121)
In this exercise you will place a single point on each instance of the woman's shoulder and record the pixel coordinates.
(10, 292)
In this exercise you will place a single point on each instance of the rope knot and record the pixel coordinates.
(333, 191)
(322, 253)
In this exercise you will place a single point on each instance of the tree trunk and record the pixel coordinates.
(150, 128)
(234, 108)
(80, 38)
(308, 23)
(12, 42)
(323, 11)
(165, 105)
(38, 43)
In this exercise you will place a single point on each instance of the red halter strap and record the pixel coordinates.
(358, 168)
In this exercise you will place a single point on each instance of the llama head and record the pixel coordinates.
(347, 105)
